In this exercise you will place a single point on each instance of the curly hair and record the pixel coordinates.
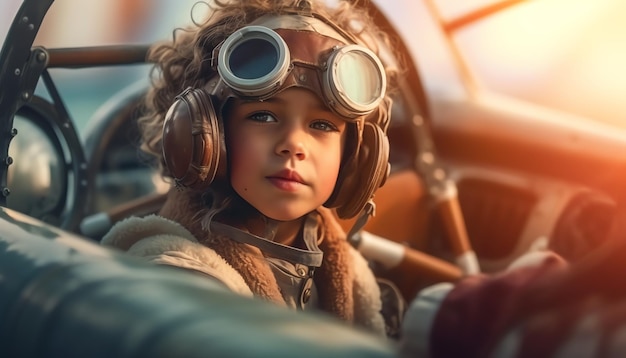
(185, 60)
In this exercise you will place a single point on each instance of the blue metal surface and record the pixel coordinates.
(64, 296)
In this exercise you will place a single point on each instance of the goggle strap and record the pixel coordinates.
(334, 26)
(215, 55)
(354, 235)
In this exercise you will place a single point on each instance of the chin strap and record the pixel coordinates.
(311, 258)
(354, 235)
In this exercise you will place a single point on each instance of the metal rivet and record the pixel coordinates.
(301, 272)
(13, 132)
(17, 72)
(6, 192)
(8, 161)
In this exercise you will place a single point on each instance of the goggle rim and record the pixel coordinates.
(265, 84)
(335, 91)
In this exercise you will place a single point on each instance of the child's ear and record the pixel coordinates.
(193, 144)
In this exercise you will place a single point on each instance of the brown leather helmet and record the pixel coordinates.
(289, 50)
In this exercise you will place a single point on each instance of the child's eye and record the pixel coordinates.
(262, 117)
(324, 126)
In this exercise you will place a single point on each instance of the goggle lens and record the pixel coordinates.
(253, 59)
(358, 78)
(355, 81)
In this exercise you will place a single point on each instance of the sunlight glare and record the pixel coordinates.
(568, 53)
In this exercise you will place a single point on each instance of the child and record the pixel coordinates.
(284, 118)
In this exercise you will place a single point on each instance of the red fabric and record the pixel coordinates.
(550, 307)
(479, 307)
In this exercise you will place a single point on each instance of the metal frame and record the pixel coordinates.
(22, 67)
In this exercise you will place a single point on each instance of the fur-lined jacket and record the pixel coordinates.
(346, 286)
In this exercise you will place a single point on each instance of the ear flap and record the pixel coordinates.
(363, 174)
(193, 140)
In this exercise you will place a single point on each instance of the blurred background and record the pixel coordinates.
(564, 54)
(74, 23)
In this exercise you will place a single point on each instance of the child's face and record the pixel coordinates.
(285, 153)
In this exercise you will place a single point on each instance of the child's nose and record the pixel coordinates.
(293, 143)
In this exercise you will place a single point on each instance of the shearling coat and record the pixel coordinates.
(346, 286)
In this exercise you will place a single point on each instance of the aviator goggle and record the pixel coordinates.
(278, 52)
